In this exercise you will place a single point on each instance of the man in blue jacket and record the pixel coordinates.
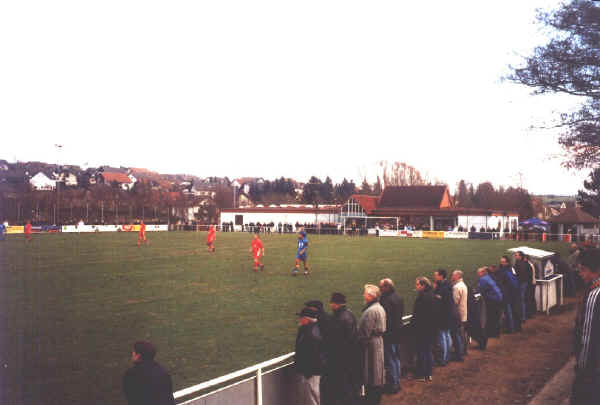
(512, 297)
(493, 301)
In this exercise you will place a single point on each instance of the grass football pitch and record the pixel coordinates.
(73, 304)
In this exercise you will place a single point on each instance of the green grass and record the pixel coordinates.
(72, 304)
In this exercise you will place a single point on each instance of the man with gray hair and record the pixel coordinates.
(460, 294)
(309, 359)
(370, 335)
(393, 305)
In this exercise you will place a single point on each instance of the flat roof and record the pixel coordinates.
(537, 253)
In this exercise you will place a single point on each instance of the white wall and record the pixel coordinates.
(589, 231)
(283, 217)
(485, 221)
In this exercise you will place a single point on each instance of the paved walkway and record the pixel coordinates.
(557, 390)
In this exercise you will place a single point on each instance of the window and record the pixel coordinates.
(239, 220)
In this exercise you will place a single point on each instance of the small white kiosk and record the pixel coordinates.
(548, 284)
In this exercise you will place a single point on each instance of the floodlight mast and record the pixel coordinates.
(57, 212)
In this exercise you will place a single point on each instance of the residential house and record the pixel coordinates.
(41, 181)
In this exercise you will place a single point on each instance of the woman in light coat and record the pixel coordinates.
(370, 335)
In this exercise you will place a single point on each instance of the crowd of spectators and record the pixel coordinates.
(342, 360)
(357, 361)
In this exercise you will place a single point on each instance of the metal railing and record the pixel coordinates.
(255, 373)
(257, 370)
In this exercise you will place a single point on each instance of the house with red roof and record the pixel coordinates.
(429, 207)
(573, 219)
(110, 178)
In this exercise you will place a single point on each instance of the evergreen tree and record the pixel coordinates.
(463, 197)
(377, 188)
(590, 199)
(326, 191)
(365, 187)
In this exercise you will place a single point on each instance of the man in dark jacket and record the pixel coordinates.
(424, 326)
(393, 305)
(447, 317)
(476, 321)
(493, 302)
(509, 286)
(309, 362)
(324, 321)
(147, 382)
(343, 366)
(524, 275)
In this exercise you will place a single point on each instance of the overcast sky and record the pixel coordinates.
(272, 88)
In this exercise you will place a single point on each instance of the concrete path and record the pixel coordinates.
(557, 390)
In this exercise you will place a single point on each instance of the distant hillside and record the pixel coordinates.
(552, 199)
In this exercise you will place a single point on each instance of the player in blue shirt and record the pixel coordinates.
(2, 231)
(301, 254)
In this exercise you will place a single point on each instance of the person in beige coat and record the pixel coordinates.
(460, 294)
(370, 335)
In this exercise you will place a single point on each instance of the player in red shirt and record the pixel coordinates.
(28, 231)
(142, 234)
(258, 250)
(211, 238)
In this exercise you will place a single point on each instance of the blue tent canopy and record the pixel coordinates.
(535, 223)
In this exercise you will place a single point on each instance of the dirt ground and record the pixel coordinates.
(511, 371)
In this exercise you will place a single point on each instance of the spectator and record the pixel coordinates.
(587, 332)
(460, 296)
(530, 305)
(475, 325)
(343, 364)
(509, 287)
(323, 317)
(370, 335)
(309, 359)
(324, 322)
(572, 278)
(147, 382)
(425, 328)
(493, 301)
(523, 270)
(448, 315)
(393, 305)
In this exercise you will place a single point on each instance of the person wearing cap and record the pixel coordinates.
(309, 359)
(344, 361)
(301, 253)
(147, 382)
(370, 336)
(393, 305)
(323, 317)
(324, 321)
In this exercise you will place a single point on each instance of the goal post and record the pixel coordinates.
(369, 224)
